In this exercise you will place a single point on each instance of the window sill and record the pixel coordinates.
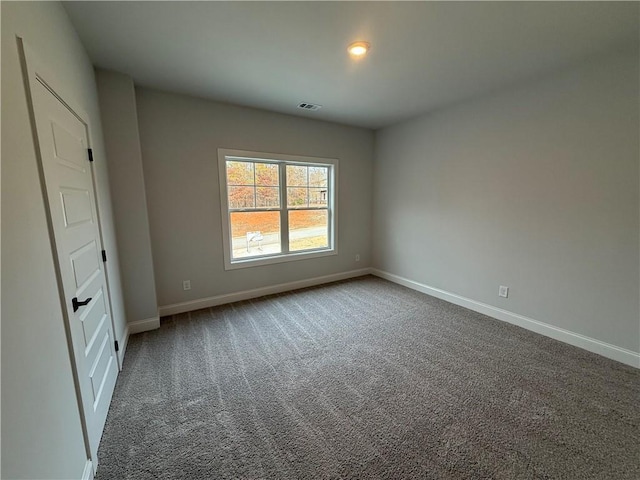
(289, 257)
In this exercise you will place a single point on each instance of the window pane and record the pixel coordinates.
(308, 229)
(240, 173)
(297, 176)
(297, 197)
(254, 234)
(241, 197)
(267, 197)
(267, 174)
(318, 197)
(318, 176)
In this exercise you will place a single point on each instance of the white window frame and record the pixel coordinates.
(225, 154)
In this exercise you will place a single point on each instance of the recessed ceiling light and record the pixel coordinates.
(358, 49)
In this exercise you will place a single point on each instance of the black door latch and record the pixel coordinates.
(77, 304)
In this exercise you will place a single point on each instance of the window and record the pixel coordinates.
(276, 208)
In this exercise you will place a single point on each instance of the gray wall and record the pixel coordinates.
(124, 159)
(180, 136)
(41, 433)
(535, 188)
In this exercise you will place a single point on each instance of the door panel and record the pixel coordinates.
(76, 206)
(69, 148)
(85, 263)
(94, 315)
(68, 176)
(100, 367)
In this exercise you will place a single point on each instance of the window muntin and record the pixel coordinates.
(276, 207)
(307, 186)
(252, 185)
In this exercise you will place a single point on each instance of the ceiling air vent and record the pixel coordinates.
(309, 106)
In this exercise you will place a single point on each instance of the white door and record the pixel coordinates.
(68, 179)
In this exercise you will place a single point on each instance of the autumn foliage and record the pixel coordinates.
(256, 185)
(254, 193)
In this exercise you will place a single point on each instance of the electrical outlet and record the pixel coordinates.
(503, 291)
(186, 284)
(357, 257)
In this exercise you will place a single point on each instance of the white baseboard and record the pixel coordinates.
(257, 292)
(591, 344)
(145, 325)
(88, 473)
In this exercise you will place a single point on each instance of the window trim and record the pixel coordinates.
(281, 159)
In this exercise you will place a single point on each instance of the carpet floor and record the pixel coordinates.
(365, 379)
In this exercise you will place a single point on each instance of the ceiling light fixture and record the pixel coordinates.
(358, 49)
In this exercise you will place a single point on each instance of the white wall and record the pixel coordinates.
(41, 432)
(180, 136)
(535, 188)
(124, 159)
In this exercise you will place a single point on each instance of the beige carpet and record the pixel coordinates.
(365, 379)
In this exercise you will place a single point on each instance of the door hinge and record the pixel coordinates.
(117, 346)
(104, 255)
(90, 151)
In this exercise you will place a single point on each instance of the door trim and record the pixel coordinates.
(88, 472)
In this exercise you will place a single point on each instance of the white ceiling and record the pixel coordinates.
(274, 55)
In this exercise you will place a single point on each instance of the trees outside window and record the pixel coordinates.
(276, 207)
